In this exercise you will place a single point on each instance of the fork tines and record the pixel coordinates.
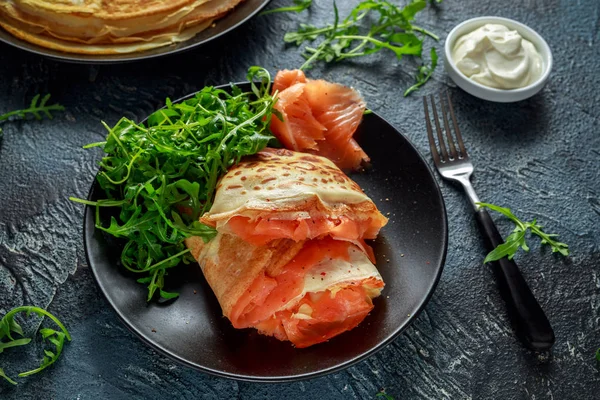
(444, 156)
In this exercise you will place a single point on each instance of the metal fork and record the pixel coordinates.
(528, 318)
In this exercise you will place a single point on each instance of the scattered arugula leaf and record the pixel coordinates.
(56, 338)
(8, 327)
(516, 239)
(35, 109)
(391, 29)
(300, 5)
(384, 396)
(424, 73)
(598, 355)
(3, 375)
(160, 176)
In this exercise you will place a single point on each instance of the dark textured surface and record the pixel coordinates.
(539, 157)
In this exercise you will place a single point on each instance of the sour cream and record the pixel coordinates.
(498, 57)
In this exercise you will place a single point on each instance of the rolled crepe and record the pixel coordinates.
(281, 194)
(304, 292)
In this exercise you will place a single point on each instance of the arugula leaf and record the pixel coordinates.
(159, 177)
(14, 343)
(3, 375)
(300, 5)
(35, 109)
(598, 354)
(8, 327)
(516, 239)
(384, 396)
(371, 26)
(508, 249)
(56, 338)
(168, 295)
(424, 73)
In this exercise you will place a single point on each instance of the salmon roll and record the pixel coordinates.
(302, 292)
(281, 194)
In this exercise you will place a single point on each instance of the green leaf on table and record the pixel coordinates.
(55, 338)
(424, 73)
(8, 327)
(508, 249)
(3, 375)
(370, 27)
(306, 32)
(299, 6)
(14, 343)
(516, 240)
(36, 108)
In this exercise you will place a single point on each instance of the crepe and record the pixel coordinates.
(280, 194)
(304, 292)
(105, 49)
(289, 258)
(109, 26)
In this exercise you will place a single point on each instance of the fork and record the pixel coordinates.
(531, 324)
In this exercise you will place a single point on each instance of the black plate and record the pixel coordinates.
(193, 331)
(240, 14)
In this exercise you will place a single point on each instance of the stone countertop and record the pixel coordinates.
(539, 157)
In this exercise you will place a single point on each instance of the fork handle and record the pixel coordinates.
(528, 318)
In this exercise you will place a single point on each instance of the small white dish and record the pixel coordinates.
(485, 92)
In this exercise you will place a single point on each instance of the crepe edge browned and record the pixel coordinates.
(233, 267)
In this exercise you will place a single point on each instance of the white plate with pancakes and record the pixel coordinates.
(113, 31)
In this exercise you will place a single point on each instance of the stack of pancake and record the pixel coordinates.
(109, 26)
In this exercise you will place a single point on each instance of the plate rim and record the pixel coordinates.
(288, 378)
(74, 58)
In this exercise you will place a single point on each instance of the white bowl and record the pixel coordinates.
(485, 92)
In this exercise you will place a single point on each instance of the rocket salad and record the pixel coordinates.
(161, 175)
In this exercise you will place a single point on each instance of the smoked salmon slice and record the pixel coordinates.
(263, 230)
(326, 113)
(286, 78)
(299, 129)
(321, 288)
(330, 315)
